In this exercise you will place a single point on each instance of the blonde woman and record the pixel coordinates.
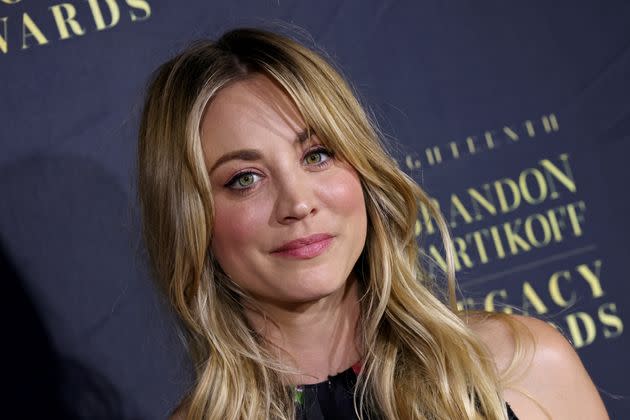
(282, 233)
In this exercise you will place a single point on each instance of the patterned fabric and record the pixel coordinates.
(333, 398)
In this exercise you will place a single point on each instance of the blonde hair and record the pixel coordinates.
(421, 360)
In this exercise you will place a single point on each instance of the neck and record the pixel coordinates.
(319, 337)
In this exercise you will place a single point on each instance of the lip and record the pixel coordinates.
(306, 247)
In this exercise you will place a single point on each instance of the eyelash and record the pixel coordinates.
(323, 150)
(230, 184)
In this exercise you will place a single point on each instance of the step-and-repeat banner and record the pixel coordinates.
(515, 117)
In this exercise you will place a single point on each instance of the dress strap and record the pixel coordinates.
(511, 415)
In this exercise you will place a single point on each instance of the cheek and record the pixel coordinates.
(344, 193)
(234, 226)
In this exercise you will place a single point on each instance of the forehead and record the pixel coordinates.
(246, 113)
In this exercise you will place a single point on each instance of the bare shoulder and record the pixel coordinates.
(545, 377)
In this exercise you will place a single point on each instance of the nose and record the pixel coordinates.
(295, 199)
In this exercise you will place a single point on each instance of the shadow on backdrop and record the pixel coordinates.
(91, 316)
(40, 382)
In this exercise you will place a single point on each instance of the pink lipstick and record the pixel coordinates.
(305, 248)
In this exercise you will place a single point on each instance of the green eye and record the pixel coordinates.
(317, 157)
(243, 181)
(313, 158)
(246, 180)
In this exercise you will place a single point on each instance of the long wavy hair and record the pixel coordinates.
(421, 360)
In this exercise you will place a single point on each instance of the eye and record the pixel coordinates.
(243, 180)
(317, 157)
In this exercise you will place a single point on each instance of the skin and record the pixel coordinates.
(294, 188)
(313, 303)
(553, 378)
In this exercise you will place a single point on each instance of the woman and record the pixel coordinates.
(282, 233)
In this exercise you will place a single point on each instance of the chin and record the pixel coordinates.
(313, 290)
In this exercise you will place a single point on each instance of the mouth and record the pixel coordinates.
(306, 247)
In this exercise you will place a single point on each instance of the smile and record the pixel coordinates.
(305, 248)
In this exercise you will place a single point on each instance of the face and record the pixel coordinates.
(290, 219)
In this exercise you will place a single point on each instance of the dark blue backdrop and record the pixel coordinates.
(515, 117)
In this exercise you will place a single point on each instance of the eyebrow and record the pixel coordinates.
(253, 154)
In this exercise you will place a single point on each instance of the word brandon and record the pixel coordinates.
(99, 14)
(560, 292)
(491, 140)
(532, 187)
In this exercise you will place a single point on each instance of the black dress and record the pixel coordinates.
(333, 399)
